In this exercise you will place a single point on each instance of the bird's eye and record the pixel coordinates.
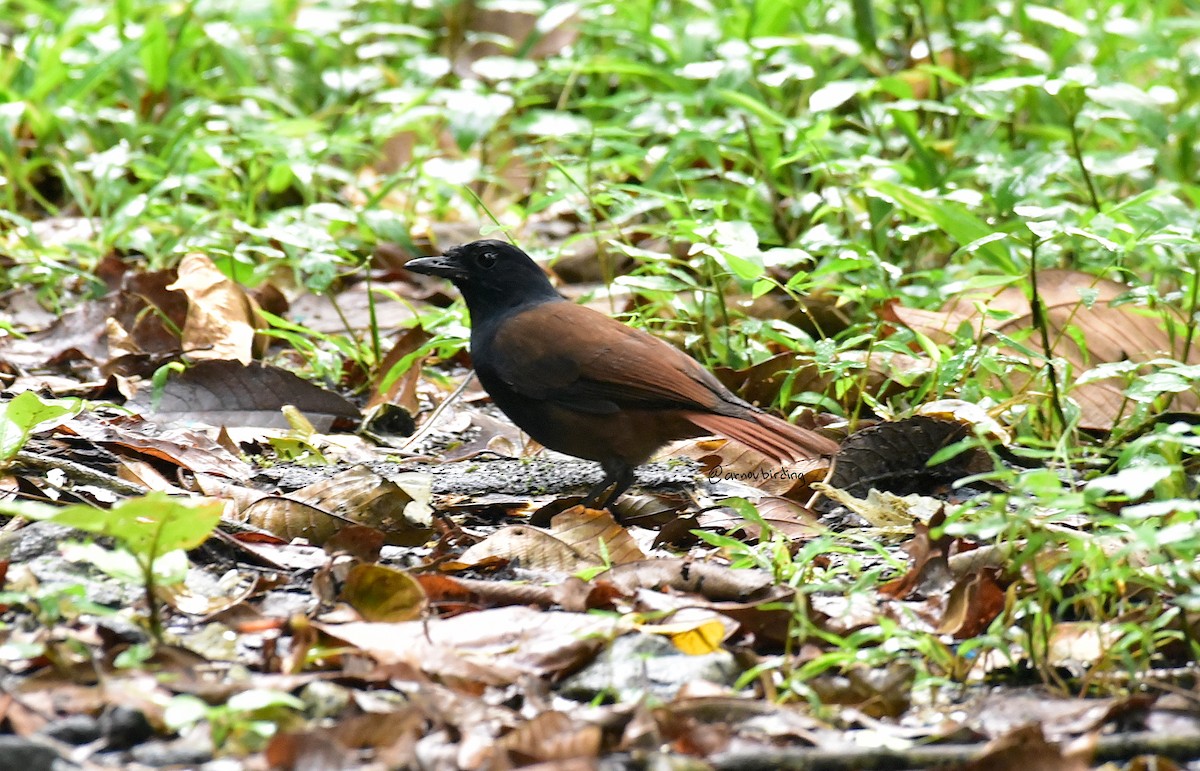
(486, 259)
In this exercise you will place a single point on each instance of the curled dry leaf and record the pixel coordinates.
(577, 538)
(381, 593)
(146, 316)
(715, 582)
(551, 736)
(399, 509)
(929, 574)
(894, 457)
(975, 601)
(222, 320)
(400, 388)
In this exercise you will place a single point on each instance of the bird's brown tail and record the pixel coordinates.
(767, 434)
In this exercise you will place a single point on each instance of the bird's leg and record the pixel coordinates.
(617, 475)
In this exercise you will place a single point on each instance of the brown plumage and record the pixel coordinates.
(586, 385)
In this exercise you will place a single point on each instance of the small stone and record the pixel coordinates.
(26, 754)
(124, 727)
(73, 729)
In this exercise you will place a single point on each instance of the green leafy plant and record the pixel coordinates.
(152, 530)
(244, 723)
(22, 415)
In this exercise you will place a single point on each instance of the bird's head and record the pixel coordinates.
(492, 275)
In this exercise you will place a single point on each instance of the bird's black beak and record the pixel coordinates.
(444, 266)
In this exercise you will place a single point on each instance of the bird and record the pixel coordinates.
(584, 384)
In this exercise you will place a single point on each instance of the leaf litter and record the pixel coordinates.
(493, 597)
(391, 610)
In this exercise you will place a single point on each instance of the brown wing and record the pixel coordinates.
(595, 363)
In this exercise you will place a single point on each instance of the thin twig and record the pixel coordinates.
(428, 425)
(1041, 323)
(77, 472)
(1077, 151)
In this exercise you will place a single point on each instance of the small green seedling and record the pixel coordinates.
(151, 529)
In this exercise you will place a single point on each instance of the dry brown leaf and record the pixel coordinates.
(291, 519)
(532, 547)
(381, 593)
(79, 334)
(714, 582)
(222, 320)
(217, 487)
(929, 574)
(1026, 749)
(974, 602)
(1112, 333)
(360, 495)
(184, 447)
(578, 538)
(145, 474)
(399, 509)
(308, 750)
(596, 535)
(147, 315)
(229, 393)
(496, 646)
(403, 389)
(784, 515)
(551, 736)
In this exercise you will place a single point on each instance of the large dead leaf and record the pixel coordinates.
(401, 387)
(893, 457)
(78, 334)
(397, 507)
(974, 602)
(220, 393)
(552, 736)
(577, 538)
(929, 573)
(1026, 749)
(496, 647)
(222, 320)
(1085, 328)
(147, 315)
